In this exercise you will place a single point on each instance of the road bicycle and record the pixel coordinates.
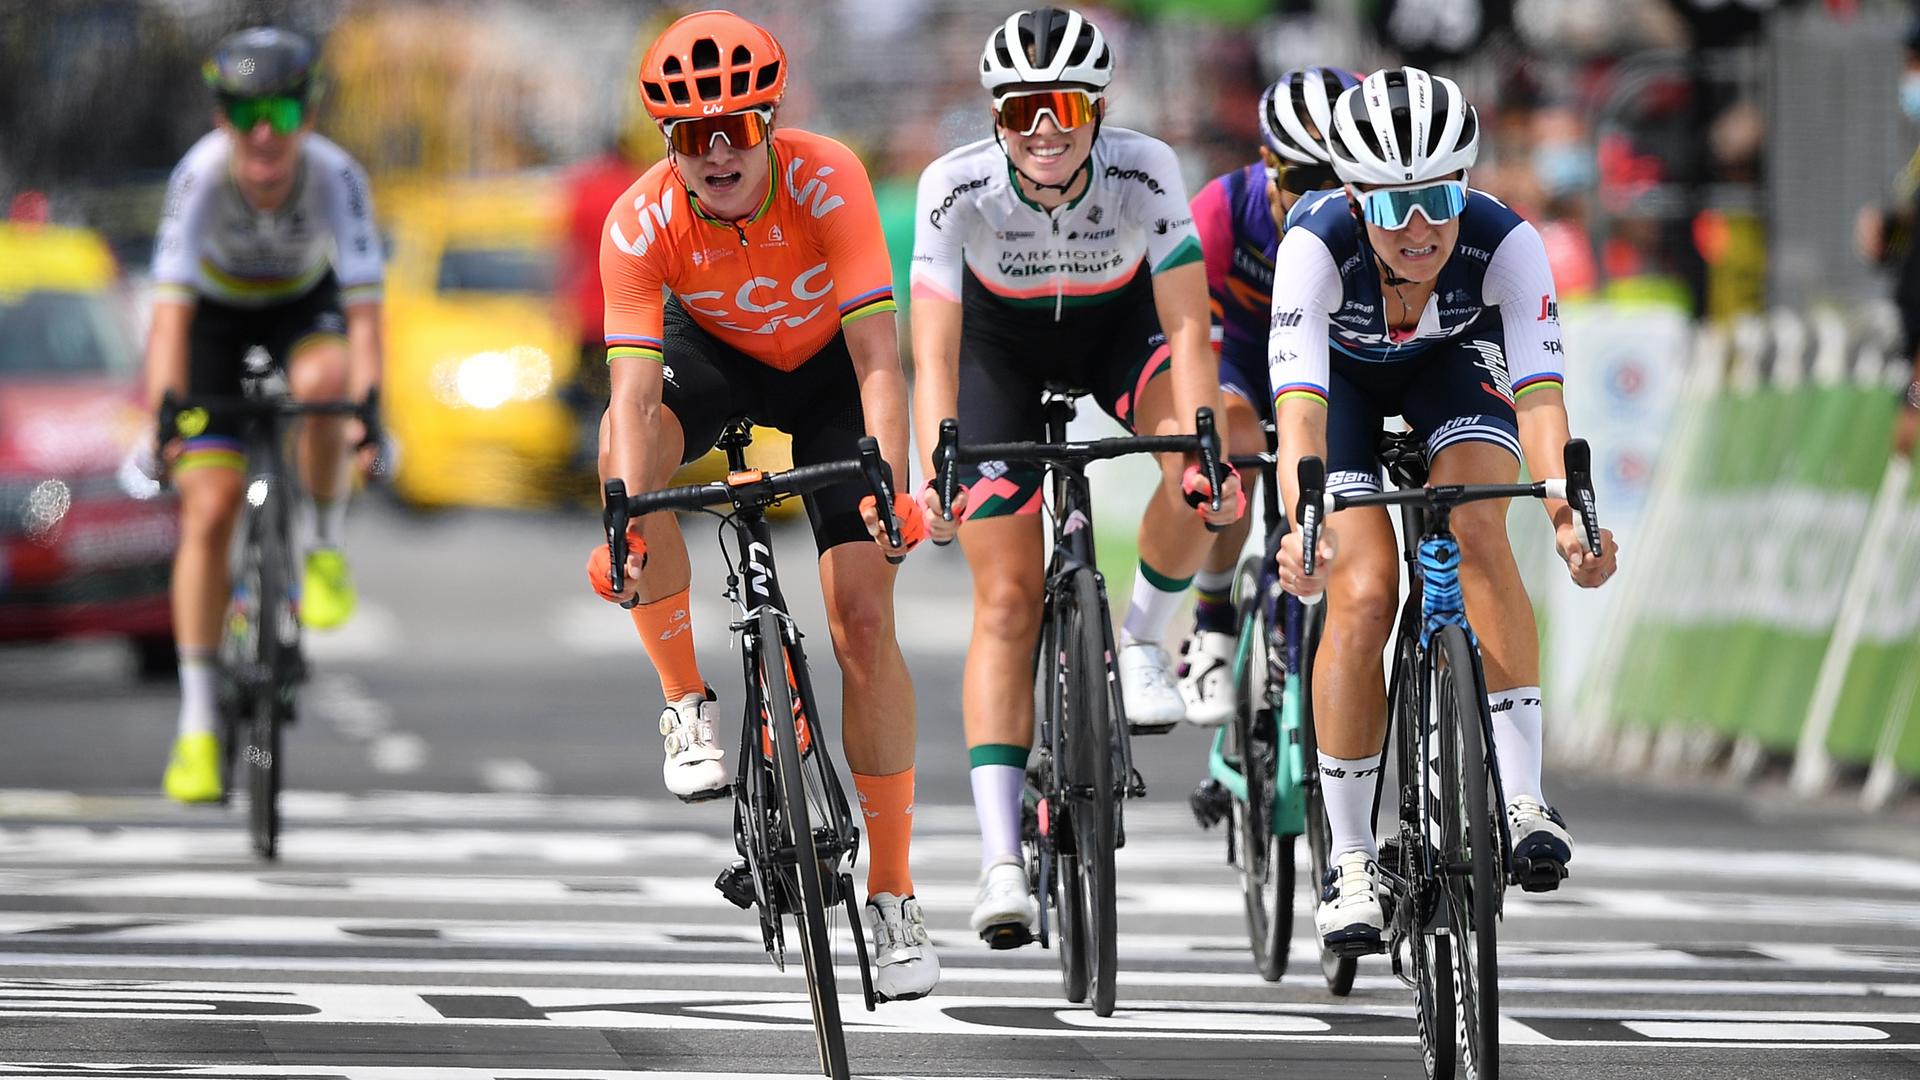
(1448, 859)
(260, 657)
(792, 825)
(1262, 769)
(1083, 765)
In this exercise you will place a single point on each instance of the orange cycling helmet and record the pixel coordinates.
(711, 62)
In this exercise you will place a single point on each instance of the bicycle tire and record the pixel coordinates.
(1468, 828)
(1089, 773)
(1266, 858)
(816, 947)
(272, 698)
(1338, 970)
(1429, 946)
(1058, 869)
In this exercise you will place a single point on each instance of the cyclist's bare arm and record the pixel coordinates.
(1180, 298)
(874, 344)
(166, 359)
(366, 354)
(936, 366)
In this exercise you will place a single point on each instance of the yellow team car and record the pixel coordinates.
(478, 353)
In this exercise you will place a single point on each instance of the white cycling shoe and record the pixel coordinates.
(1005, 913)
(1349, 917)
(1207, 687)
(904, 965)
(1542, 847)
(1147, 687)
(696, 767)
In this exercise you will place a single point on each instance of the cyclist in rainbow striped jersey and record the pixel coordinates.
(1408, 293)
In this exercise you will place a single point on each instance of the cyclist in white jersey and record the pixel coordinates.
(267, 239)
(1409, 294)
(1058, 250)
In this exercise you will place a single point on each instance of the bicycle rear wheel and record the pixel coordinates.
(1336, 969)
(1266, 858)
(1469, 845)
(1086, 763)
(815, 934)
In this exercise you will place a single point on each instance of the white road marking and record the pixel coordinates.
(511, 774)
(79, 1071)
(1754, 1031)
(398, 753)
(373, 634)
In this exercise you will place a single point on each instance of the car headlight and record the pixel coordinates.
(488, 380)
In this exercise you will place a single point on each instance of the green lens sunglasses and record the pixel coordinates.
(283, 114)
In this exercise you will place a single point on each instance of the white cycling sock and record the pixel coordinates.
(199, 692)
(1347, 789)
(1516, 740)
(1155, 598)
(996, 802)
(326, 523)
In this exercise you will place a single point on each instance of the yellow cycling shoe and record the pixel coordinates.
(326, 597)
(193, 773)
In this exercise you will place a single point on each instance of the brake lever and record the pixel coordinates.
(1313, 483)
(1579, 460)
(946, 466)
(1209, 445)
(614, 516)
(879, 476)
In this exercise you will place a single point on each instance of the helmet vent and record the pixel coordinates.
(655, 93)
(670, 66)
(708, 87)
(768, 76)
(705, 54)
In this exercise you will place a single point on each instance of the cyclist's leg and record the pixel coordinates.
(309, 339)
(1349, 683)
(1472, 438)
(701, 389)
(209, 474)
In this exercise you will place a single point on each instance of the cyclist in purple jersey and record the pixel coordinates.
(1240, 217)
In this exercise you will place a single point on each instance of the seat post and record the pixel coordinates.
(735, 439)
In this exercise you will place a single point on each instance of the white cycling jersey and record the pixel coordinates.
(972, 216)
(213, 244)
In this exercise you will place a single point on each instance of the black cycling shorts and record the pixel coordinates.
(1111, 349)
(1453, 392)
(222, 334)
(710, 384)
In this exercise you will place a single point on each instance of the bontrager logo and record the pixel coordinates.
(815, 189)
(652, 220)
(1115, 172)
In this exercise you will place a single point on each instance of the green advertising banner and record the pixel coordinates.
(1882, 686)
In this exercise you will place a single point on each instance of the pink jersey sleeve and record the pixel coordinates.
(1213, 220)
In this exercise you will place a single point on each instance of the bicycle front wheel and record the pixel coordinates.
(1336, 969)
(815, 934)
(1470, 852)
(1085, 730)
(1266, 857)
(275, 644)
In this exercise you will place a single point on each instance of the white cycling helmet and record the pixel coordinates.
(1296, 113)
(1403, 126)
(1043, 46)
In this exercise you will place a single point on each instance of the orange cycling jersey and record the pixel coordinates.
(777, 286)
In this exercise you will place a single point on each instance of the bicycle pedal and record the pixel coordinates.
(1538, 875)
(1138, 727)
(706, 796)
(1354, 941)
(1210, 803)
(736, 884)
(1006, 936)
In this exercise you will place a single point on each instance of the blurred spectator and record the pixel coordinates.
(1885, 235)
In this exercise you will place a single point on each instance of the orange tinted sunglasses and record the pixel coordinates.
(1021, 112)
(742, 130)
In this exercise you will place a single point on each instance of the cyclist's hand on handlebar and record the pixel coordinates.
(1587, 571)
(912, 519)
(938, 527)
(1199, 493)
(598, 565)
(1290, 561)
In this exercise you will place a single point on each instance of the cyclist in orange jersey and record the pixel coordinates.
(781, 311)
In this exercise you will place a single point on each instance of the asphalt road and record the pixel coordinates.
(483, 879)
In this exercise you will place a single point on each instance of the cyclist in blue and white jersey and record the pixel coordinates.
(1410, 294)
(1240, 217)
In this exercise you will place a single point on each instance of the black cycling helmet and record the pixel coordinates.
(264, 61)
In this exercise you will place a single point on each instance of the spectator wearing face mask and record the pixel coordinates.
(1886, 235)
